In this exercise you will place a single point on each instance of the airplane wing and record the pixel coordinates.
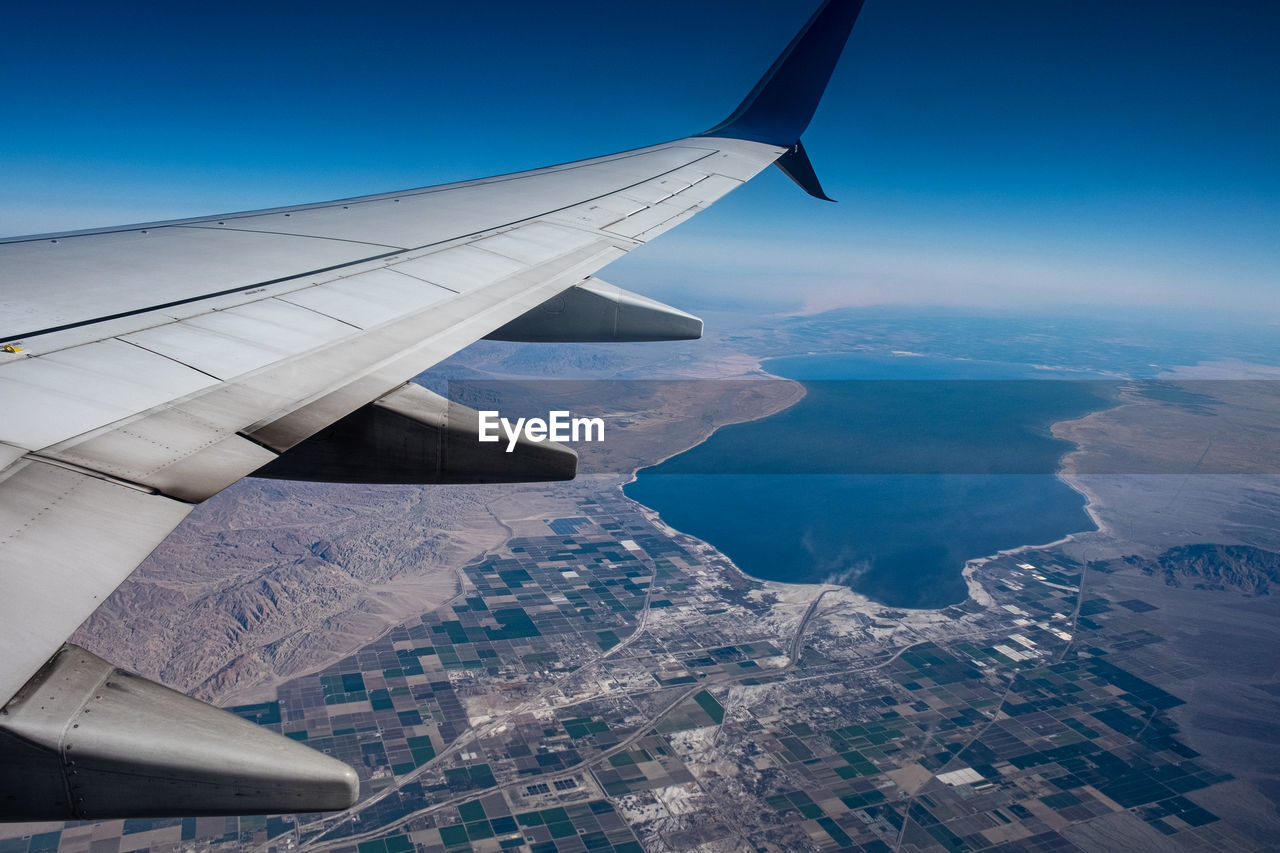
(145, 368)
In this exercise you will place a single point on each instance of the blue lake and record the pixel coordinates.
(888, 475)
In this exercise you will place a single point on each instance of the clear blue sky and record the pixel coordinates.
(1033, 154)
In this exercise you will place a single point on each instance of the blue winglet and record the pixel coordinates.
(796, 166)
(781, 105)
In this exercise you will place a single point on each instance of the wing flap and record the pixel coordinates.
(226, 344)
(461, 268)
(68, 539)
(171, 451)
(72, 391)
(370, 298)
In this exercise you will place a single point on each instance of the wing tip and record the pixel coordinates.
(795, 164)
(780, 106)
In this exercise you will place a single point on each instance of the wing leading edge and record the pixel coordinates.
(145, 368)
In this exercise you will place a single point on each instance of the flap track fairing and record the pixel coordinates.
(83, 739)
(598, 312)
(414, 436)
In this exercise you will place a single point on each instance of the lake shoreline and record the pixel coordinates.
(1091, 521)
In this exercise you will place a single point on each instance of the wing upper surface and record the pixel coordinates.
(163, 362)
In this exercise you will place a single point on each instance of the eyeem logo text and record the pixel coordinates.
(559, 426)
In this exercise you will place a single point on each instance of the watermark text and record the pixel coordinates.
(558, 426)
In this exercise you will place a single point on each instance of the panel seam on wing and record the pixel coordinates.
(290, 234)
